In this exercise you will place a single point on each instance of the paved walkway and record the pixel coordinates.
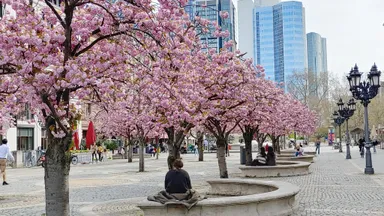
(335, 187)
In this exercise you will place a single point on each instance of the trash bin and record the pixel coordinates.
(242, 154)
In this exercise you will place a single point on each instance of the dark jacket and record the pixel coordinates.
(361, 143)
(271, 160)
(177, 181)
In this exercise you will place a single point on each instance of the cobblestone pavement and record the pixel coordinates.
(335, 186)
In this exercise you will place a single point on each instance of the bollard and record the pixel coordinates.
(242, 154)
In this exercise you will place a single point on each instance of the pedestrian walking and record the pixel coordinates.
(196, 150)
(154, 150)
(5, 155)
(100, 151)
(361, 146)
(318, 146)
(206, 145)
(94, 151)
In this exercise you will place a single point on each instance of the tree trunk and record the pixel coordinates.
(278, 145)
(221, 157)
(275, 144)
(200, 146)
(57, 166)
(125, 156)
(259, 142)
(157, 151)
(170, 158)
(130, 153)
(260, 139)
(174, 143)
(247, 135)
(141, 155)
(227, 149)
(173, 154)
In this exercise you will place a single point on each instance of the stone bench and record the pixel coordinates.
(304, 158)
(282, 168)
(293, 151)
(243, 197)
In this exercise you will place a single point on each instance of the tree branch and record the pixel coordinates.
(45, 99)
(97, 40)
(56, 14)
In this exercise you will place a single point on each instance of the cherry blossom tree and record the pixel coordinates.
(281, 121)
(225, 82)
(110, 124)
(198, 134)
(258, 111)
(50, 54)
(290, 115)
(134, 119)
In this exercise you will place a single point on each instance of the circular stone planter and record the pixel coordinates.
(243, 197)
(293, 151)
(304, 158)
(282, 169)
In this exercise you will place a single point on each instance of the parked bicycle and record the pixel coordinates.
(41, 160)
(74, 159)
(30, 161)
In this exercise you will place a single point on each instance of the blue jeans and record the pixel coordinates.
(317, 149)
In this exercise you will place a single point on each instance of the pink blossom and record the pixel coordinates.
(224, 14)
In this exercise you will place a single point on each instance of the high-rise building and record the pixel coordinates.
(245, 31)
(265, 3)
(2, 9)
(317, 53)
(208, 9)
(280, 43)
(325, 56)
(244, 27)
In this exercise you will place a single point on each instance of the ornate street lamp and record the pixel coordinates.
(365, 91)
(346, 112)
(339, 120)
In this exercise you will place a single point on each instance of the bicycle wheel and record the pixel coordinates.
(75, 160)
(39, 163)
(28, 164)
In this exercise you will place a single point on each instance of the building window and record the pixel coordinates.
(44, 139)
(56, 2)
(25, 139)
(2, 9)
(89, 109)
(26, 114)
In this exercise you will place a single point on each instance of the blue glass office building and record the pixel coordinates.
(280, 39)
(194, 8)
(317, 53)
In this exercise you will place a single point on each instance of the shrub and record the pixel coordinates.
(111, 144)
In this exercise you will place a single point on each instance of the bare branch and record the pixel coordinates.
(97, 40)
(56, 13)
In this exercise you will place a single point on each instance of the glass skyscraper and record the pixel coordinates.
(280, 41)
(208, 9)
(317, 53)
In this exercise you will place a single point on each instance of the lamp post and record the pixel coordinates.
(365, 91)
(339, 120)
(346, 112)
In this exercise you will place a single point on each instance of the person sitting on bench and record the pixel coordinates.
(271, 157)
(261, 158)
(178, 188)
(177, 180)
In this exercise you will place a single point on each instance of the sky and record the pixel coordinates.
(354, 31)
